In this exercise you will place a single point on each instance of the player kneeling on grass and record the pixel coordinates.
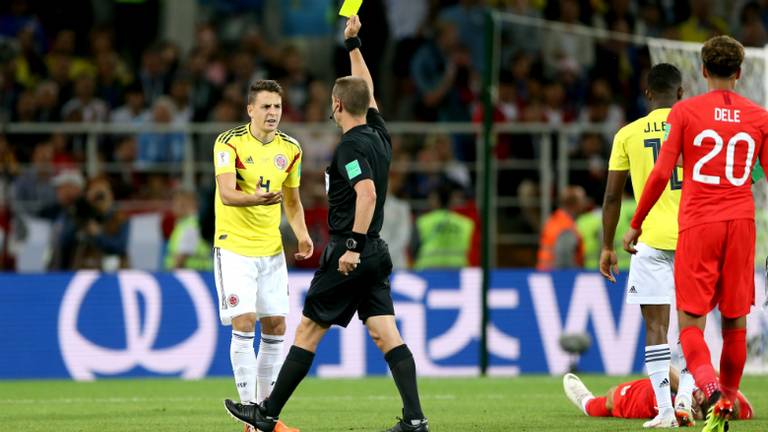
(637, 400)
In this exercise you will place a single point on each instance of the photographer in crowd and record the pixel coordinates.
(101, 231)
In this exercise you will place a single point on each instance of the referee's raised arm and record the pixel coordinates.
(353, 43)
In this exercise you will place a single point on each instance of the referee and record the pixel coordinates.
(355, 266)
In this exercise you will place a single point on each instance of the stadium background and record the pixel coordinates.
(123, 99)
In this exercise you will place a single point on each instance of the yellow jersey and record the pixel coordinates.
(635, 149)
(253, 231)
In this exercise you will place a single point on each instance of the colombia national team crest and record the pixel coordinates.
(233, 300)
(281, 161)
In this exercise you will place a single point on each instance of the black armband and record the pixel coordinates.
(356, 242)
(352, 43)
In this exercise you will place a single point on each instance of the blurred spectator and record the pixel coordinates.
(408, 24)
(21, 18)
(64, 213)
(161, 147)
(85, 107)
(590, 228)
(30, 66)
(48, 106)
(560, 49)
(63, 159)
(469, 18)
(186, 248)
(528, 219)
(652, 20)
(592, 151)
(294, 79)
(306, 23)
(58, 72)
(207, 46)
(63, 52)
(153, 76)
(398, 222)
(519, 39)
(9, 168)
(26, 107)
(318, 141)
(441, 70)
(702, 24)
(133, 110)
(102, 231)
(561, 246)
(436, 164)
(555, 109)
(123, 176)
(110, 85)
(406, 18)
(180, 94)
(204, 92)
(443, 238)
(752, 31)
(32, 190)
(601, 109)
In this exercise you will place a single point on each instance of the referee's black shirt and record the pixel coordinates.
(364, 152)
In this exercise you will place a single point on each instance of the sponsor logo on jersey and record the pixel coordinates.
(632, 290)
(249, 160)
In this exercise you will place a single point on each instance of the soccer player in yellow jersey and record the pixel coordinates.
(651, 282)
(257, 167)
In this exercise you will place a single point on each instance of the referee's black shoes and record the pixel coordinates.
(410, 426)
(251, 414)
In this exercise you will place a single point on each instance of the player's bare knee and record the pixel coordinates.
(244, 323)
(385, 337)
(656, 333)
(309, 334)
(274, 325)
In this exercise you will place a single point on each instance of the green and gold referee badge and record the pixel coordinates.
(353, 169)
(350, 7)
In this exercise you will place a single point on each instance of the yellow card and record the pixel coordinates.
(350, 7)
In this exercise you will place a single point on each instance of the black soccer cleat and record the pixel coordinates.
(250, 414)
(408, 426)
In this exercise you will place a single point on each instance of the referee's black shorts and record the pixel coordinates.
(334, 298)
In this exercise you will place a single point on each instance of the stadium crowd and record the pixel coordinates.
(91, 62)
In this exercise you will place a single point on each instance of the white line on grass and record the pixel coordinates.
(211, 399)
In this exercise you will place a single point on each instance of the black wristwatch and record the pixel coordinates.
(356, 243)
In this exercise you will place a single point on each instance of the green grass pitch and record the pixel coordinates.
(531, 403)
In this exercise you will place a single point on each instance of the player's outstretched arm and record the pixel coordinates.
(614, 189)
(359, 68)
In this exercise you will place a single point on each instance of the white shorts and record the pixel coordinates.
(651, 278)
(250, 285)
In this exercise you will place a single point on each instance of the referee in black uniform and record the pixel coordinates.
(355, 266)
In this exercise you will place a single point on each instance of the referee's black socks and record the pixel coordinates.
(400, 361)
(295, 368)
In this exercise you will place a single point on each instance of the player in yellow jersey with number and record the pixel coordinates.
(651, 282)
(257, 167)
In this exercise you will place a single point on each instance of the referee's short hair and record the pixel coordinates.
(263, 85)
(664, 79)
(354, 94)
